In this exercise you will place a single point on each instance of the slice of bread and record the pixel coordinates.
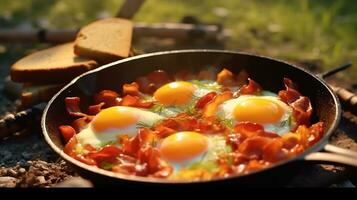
(57, 64)
(105, 40)
(32, 95)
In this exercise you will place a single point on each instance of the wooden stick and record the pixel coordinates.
(129, 8)
(347, 98)
(160, 30)
(13, 123)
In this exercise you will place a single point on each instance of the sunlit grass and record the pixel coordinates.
(321, 30)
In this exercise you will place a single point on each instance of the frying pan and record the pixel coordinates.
(266, 71)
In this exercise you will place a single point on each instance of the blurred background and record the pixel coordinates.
(320, 34)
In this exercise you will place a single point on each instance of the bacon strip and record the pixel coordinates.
(204, 100)
(81, 123)
(72, 107)
(132, 146)
(135, 101)
(95, 109)
(302, 110)
(301, 105)
(107, 154)
(253, 147)
(151, 82)
(248, 129)
(69, 147)
(252, 88)
(226, 78)
(108, 97)
(274, 151)
(211, 108)
(290, 94)
(131, 89)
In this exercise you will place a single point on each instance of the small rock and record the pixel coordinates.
(7, 181)
(22, 170)
(75, 182)
(12, 172)
(41, 179)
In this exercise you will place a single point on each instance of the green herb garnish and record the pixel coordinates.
(106, 165)
(286, 122)
(113, 142)
(143, 125)
(157, 108)
(226, 122)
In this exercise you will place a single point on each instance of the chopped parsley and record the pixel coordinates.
(142, 124)
(226, 122)
(113, 142)
(106, 165)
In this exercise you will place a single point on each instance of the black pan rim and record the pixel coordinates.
(317, 147)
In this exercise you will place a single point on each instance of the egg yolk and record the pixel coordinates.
(183, 146)
(261, 111)
(113, 117)
(175, 93)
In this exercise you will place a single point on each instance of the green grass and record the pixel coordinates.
(323, 30)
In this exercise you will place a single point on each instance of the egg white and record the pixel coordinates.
(90, 136)
(284, 125)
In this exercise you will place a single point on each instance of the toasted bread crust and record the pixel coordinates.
(105, 46)
(58, 64)
(36, 94)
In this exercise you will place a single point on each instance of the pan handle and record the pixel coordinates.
(334, 70)
(334, 154)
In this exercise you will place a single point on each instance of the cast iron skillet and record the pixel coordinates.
(266, 71)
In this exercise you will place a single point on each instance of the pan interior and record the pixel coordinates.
(267, 72)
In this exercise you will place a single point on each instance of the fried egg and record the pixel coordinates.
(177, 96)
(182, 92)
(187, 149)
(268, 111)
(108, 124)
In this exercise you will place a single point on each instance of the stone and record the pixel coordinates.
(8, 182)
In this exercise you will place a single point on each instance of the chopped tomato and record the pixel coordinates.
(67, 132)
(226, 78)
(108, 97)
(131, 89)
